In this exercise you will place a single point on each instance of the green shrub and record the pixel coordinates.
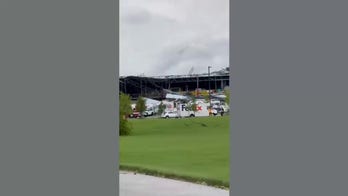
(124, 110)
(125, 127)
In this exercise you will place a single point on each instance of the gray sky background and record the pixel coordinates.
(169, 37)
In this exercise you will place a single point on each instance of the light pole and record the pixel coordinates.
(209, 88)
(197, 87)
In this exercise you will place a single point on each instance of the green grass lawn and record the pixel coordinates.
(195, 149)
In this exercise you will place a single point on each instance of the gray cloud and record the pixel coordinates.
(135, 16)
(200, 54)
(166, 37)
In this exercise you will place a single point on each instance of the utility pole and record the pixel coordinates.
(209, 86)
(215, 83)
(125, 85)
(197, 87)
(141, 87)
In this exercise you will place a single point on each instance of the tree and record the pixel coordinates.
(125, 105)
(161, 108)
(227, 94)
(124, 110)
(192, 105)
(206, 97)
(140, 105)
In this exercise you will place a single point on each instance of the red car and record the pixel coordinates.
(135, 115)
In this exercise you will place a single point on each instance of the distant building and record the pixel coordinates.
(157, 87)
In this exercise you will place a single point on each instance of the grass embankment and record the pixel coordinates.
(191, 149)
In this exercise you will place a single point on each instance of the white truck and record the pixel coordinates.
(170, 106)
(202, 108)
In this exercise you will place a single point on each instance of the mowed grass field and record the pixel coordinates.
(194, 149)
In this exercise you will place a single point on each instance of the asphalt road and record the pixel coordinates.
(142, 185)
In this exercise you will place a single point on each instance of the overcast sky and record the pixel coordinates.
(168, 37)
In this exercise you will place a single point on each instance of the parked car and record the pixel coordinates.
(135, 115)
(170, 115)
(148, 113)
